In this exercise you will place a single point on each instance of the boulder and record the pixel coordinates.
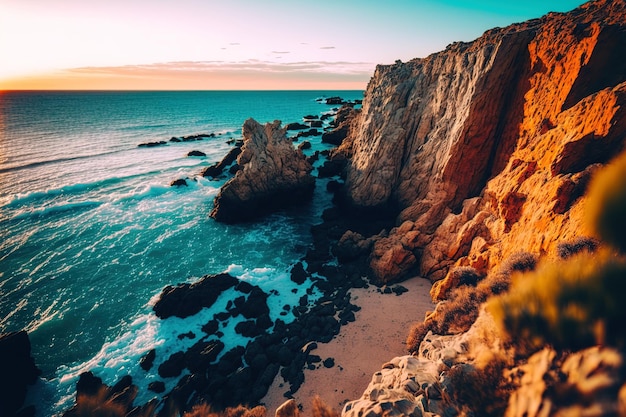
(18, 371)
(196, 153)
(186, 299)
(179, 183)
(296, 126)
(272, 176)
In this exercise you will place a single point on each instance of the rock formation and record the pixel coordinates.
(18, 371)
(485, 148)
(273, 175)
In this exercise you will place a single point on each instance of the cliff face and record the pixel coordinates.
(485, 149)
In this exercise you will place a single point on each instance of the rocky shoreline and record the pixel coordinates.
(470, 167)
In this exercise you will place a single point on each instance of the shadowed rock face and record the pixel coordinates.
(273, 175)
(485, 148)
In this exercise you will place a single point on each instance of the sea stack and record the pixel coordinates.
(272, 175)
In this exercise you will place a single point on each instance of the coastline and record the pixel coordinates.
(360, 348)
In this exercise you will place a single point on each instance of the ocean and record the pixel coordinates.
(91, 231)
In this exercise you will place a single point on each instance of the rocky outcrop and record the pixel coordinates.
(18, 371)
(272, 175)
(489, 144)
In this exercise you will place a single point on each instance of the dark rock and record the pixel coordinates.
(296, 126)
(173, 366)
(17, 371)
(179, 183)
(399, 289)
(248, 328)
(217, 169)
(88, 384)
(201, 355)
(152, 144)
(185, 300)
(310, 117)
(316, 123)
(147, 360)
(334, 186)
(196, 153)
(333, 101)
(305, 145)
(211, 327)
(175, 139)
(332, 167)
(231, 361)
(329, 362)
(157, 386)
(298, 274)
(255, 305)
(188, 335)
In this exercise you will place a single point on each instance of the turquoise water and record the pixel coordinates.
(90, 231)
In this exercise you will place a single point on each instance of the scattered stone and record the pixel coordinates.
(196, 153)
(329, 362)
(147, 360)
(296, 126)
(216, 169)
(152, 144)
(179, 183)
(157, 387)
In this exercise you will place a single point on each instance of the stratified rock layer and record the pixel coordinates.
(485, 149)
(272, 175)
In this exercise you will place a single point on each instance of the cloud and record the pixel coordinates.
(327, 47)
(281, 52)
(251, 65)
(250, 74)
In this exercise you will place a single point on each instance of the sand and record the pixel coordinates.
(360, 348)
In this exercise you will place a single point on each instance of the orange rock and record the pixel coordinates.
(512, 124)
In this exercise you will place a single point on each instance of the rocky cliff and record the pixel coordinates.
(485, 148)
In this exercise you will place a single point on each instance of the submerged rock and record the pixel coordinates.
(272, 175)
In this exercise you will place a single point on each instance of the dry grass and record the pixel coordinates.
(606, 204)
(569, 305)
(460, 310)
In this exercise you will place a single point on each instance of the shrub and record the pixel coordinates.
(416, 335)
(606, 203)
(479, 389)
(466, 275)
(320, 409)
(520, 262)
(569, 305)
(205, 410)
(568, 249)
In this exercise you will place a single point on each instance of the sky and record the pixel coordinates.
(233, 44)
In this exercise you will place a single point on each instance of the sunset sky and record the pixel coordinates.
(233, 44)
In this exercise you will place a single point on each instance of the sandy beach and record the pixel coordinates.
(361, 347)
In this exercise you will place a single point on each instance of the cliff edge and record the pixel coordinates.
(485, 148)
